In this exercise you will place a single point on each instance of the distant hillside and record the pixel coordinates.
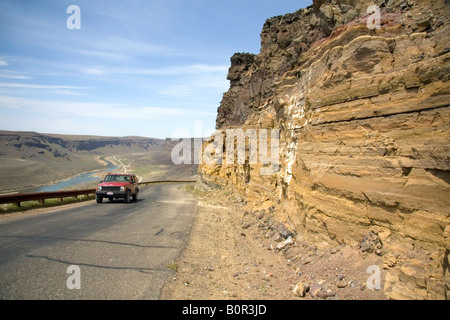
(73, 143)
(29, 159)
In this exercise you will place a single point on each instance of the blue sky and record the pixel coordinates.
(134, 68)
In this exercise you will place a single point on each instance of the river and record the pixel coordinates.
(79, 179)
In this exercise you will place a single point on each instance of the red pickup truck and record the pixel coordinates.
(118, 186)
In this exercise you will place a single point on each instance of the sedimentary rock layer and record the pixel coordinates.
(363, 116)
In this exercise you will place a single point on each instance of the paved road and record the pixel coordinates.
(121, 251)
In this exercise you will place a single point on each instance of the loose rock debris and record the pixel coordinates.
(268, 263)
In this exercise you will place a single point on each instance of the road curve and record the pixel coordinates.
(118, 250)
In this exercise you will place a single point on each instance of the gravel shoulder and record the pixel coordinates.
(234, 253)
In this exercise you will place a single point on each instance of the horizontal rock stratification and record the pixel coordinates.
(363, 119)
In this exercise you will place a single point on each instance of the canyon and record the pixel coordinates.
(30, 159)
(363, 116)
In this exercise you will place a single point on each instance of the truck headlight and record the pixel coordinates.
(123, 188)
(99, 188)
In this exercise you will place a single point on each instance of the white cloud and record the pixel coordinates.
(114, 49)
(94, 71)
(3, 63)
(166, 71)
(199, 85)
(95, 110)
(183, 70)
(20, 88)
(38, 86)
(14, 75)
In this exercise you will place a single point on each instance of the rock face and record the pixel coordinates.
(364, 132)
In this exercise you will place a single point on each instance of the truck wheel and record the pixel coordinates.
(98, 199)
(135, 195)
(127, 197)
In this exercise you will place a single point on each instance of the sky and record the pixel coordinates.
(151, 68)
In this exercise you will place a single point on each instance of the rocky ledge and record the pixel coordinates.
(364, 122)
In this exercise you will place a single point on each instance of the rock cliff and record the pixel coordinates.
(362, 111)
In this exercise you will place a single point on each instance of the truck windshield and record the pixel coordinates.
(117, 178)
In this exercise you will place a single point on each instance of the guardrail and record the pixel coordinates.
(17, 198)
(166, 181)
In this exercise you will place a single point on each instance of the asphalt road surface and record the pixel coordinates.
(96, 251)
